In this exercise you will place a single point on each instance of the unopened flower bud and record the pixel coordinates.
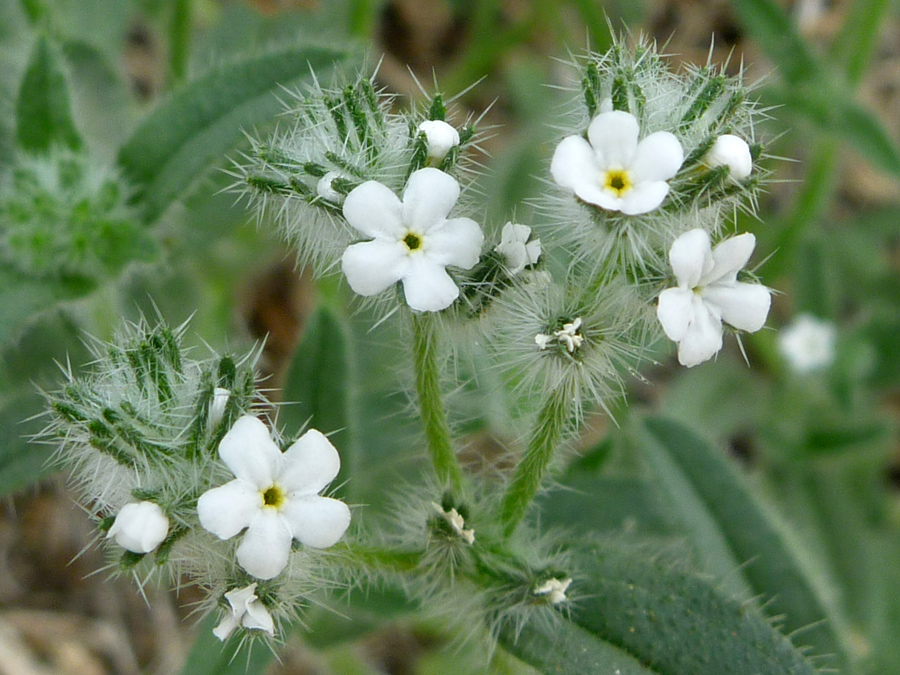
(217, 406)
(325, 190)
(732, 152)
(140, 527)
(441, 138)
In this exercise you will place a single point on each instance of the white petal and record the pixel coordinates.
(428, 198)
(674, 311)
(729, 257)
(373, 266)
(226, 627)
(310, 464)
(703, 338)
(644, 197)
(266, 545)
(247, 449)
(375, 211)
(744, 306)
(733, 152)
(227, 510)
(257, 617)
(658, 157)
(573, 162)
(614, 137)
(533, 251)
(428, 287)
(140, 527)
(691, 257)
(455, 242)
(318, 522)
(590, 191)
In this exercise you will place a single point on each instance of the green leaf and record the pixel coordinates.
(632, 611)
(209, 656)
(43, 114)
(201, 122)
(710, 484)
(315, 389)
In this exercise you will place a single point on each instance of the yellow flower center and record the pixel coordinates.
(274, 497)
(413, 241)
(617, 181)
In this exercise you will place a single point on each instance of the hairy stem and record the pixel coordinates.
(548, 432)
(431, 404)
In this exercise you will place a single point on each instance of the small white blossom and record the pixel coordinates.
(140, 527)
(515, 248)
(554, 589)
(612, 169)
(708, 293)
(542, 340)
(326, 191)
(808, 343)
(457, 523)
(217, 406)
(413, 241)
(247, 611)
(569, 336)
(732, 152)
(441, 138)
(275, 496)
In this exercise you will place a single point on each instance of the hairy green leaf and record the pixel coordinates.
(43, 112)
(202, 121)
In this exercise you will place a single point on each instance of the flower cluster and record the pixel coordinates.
(150, 436)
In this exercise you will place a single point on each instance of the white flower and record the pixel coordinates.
(217, 406)
(412, 241)
(140, 527)
(732, 152)
(440, 137)
(708, 293)
(457, 523)
(275, 496)
(614, 171)
(569, 335)
(246, 610)
(554, 589)
(515, 248)
(326, 191)
(808, 343)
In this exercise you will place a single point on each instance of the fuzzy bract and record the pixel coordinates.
(139, 527)
(517, 251)
(612, 169)
(709, 293)
(274, 496)
(247, 611)
(413, 240)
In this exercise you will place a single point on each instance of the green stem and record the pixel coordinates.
(380, 559)
(179, 40)
(431, 404)
(548, 432)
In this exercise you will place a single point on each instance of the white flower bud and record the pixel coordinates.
(807, 344)
(732, 152)
(140, 527)
(441, 138)
(326, 191)
(554, 590)
(217, 406)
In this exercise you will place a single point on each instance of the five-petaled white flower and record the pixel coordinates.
(708, 293)
(275, 496)
(612, 169)
(733, 152)
(807, 343)
(515, 248)
(247, 611)
(412, 241)
(440, 138)
(554, 590)
(139, 527)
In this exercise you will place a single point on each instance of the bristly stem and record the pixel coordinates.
(547, 433)
(431, 404)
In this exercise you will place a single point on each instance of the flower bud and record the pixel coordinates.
(441, 138)
(217, 406)
(325, 190)
(140, 527)
(732, 152)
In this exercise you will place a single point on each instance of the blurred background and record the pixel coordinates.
(818, 439)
